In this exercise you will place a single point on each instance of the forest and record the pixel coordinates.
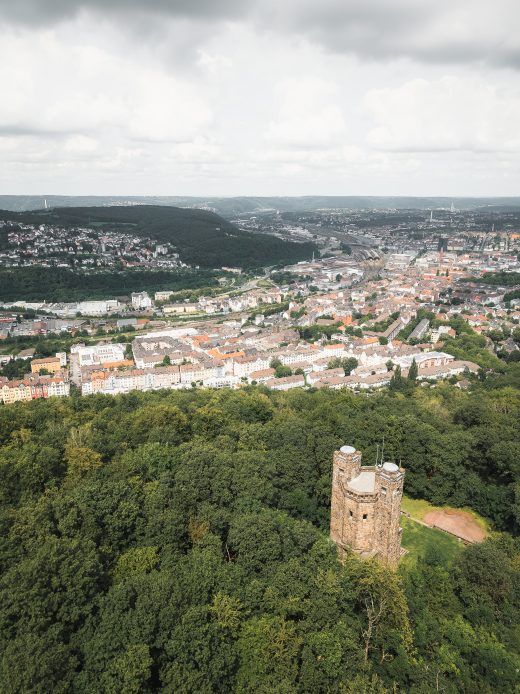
(63, 285)
(201, 237)
(178, 542)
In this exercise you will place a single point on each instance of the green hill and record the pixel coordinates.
(202, 237)
(177, 541)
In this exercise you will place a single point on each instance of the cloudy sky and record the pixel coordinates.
(260, 97)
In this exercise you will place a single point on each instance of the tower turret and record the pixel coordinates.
(347, 462)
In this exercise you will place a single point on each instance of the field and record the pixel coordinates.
(420, 508)
(419, 540)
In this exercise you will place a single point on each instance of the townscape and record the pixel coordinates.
(260, 347)
(47, 245)
(396, 301)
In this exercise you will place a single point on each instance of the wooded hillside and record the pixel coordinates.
(179, 542)
(201, 237)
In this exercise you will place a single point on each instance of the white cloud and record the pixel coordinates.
(263, 107)
(199, 150)
(55, 89)
(447, 114)
(309, 115)
(81, 145)
(165, 109)
(213, 62)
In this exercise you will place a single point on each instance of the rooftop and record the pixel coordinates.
(364, 482)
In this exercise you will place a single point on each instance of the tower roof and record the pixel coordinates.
(365, 482)
(390, 467)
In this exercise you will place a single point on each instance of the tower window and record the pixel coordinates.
(351, 514)
(383, 491)
(365, 516)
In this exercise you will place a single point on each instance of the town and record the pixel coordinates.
(391, 302)
(48, 245)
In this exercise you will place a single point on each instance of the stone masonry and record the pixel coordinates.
(366, 507)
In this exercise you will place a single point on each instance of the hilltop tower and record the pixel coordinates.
(366, 507)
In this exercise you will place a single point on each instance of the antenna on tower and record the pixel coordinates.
(377, 456)
(381, 460)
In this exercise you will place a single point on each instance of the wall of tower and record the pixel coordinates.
(345, 466)
(388, 531)
(359, 522)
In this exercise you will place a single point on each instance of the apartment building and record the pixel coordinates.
(50, 364)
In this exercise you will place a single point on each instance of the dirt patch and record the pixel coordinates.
(457, 523)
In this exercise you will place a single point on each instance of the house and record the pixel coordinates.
(33, 388)
(50, 364)
(180, 309)
(286, 383)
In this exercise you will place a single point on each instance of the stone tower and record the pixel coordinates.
(366, 507)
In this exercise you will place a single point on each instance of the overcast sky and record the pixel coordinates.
(260, 97)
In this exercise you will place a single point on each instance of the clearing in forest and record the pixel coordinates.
(463, 523)
(458, 523)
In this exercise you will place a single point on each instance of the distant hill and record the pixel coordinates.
(229, 207)
(200, 236)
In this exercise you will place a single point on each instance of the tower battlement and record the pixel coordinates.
(366, 506)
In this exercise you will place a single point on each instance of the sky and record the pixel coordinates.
(260, 97)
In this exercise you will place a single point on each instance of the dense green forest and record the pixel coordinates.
(177, 542)
(201, 237)
(60, 284)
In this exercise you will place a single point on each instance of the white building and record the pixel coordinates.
(424, 360)
(242, 366)
(97, 308)
(141, 300)
(99, 354)
(163, 296)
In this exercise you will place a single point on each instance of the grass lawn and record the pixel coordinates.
(417, 539)
(418, 508)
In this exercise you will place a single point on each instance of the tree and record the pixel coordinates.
(348, 364)
(166, 361)
(268, 649)
(135, 562)
(128, 672)
(281, 371)
(397, 382)
(413, 371)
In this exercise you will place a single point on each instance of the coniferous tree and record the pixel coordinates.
(396, 382)
(413, 371)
